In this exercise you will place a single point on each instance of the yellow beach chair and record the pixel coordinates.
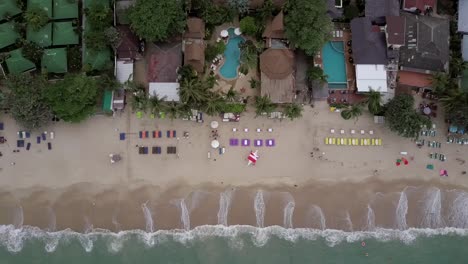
(344, 141)
(354, 141)
(338, 141)
(378, 142)
(362, 142)
(350, 143)
(373, 142)
(326, 141)
(333, 141)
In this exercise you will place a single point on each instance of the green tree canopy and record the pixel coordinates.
(263, 104)
(374, 102)
(456, 107)
(354, 112)
(350, 12)
(240, 6)
(293, 111)
(26, 101)
(315, 73)
(307, 24)
(36, 18)
(402, 118)
(32, 51)
(99, 16)
(73, 99)
(249, 26)
(157, 20)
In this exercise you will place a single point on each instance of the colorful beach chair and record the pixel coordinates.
(245, 142)
(258, 143)
(233, 142)
(333, 141)
(122, 136)
(326, 141)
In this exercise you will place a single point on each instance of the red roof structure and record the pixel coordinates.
(129, 45)
(419, 4)
(415, 79)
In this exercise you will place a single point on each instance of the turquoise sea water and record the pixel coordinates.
(231, 56)
(334, 64)
(239, 244)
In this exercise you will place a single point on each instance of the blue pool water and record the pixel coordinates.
(334, 64)
(231, 56)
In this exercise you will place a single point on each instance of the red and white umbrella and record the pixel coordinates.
(253, 156)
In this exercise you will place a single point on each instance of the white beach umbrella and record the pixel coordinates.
(215, 144)
(224, 33)
(237, 31)
(214, 124)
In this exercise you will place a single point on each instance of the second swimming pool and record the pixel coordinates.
(333, 59)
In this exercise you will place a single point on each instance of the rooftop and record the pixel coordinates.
(462, 16)
(65, 9)
(55, 60)
(165, 59)
(195, 55)
(64, 33)
(8, 34)
(396, 30)
(8, 7)
(427, 44)
(415, 79)
(332, 10)
(43, 37)
(16, 63)
(195, 28)
(97, 60)
(275, 27)
(371, 76)
(42, 4)
(277, 75)
(465, 47)
(168, 91)
(369, 46)
(419, 4)
(382, 8)
(129, 44)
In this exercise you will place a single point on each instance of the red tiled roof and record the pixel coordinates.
(420, 4)
(129, 45)
(396, 30)
(414, 79)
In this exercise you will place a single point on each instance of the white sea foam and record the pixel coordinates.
(348, 221)
(402, 211)
(18, 217)
(432, 209)
(370, 220)
(458, 216)
(288, 214)
(52, 220)
(259, 207)
(148, 218)
(225, 199)
(184, 215)
(13, 239)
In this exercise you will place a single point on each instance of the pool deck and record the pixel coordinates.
(350, 71)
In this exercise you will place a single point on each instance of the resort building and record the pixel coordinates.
(194, 45)
(463, 26)
(379, 9)
(274, 33)
(370, 55)
(164, 61)
(335, 9)
(277, 75)
(426, 49)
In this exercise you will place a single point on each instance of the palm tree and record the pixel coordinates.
(440, 83)
(293, 111)
(214, 105)
(354, 112)
(184, 110)
(139, 102)
(455, 100)
(373, 100)
(156, 104)
(263, 104)
(192, 92)
(172, 110)
(249, 54)
(231, 95)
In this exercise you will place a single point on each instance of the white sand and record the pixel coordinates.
(81, 154)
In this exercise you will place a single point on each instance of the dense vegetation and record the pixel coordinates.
(402, 118)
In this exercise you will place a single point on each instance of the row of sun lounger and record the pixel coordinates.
(460, 141)
(156, 150)
(246, 142)
(438, 156)
(153, 134)
(353, 141)
(21, 144)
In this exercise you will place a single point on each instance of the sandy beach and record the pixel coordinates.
(75, 183)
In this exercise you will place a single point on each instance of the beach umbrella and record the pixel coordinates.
(215, 144)
(427, 110)
(253, 156)
(237, 31)
(224, 33)
(214, 124)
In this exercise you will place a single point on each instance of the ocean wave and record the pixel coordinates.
(13, 239)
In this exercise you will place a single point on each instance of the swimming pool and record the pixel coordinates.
(333, 59)
(231, 56)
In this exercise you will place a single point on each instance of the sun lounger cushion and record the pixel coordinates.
(122, 136)
(20, 143)
(140, 134)
(38, 140)
(270, 143)
(28, 135)
(168, 133)
(233, 142)
(258, 142)
(43, 136)
(245, 142)
(141, 150)
(49, 145)
(1, 126)
(28, 146)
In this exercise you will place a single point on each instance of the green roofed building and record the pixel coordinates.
(464, 81)
(8, 8)
(65, 9)
(8, 34)
(89, 3)
(64, 34)
(55, 60)
(97, 60)
(43, 37)
(16, 63)
(42, 4)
